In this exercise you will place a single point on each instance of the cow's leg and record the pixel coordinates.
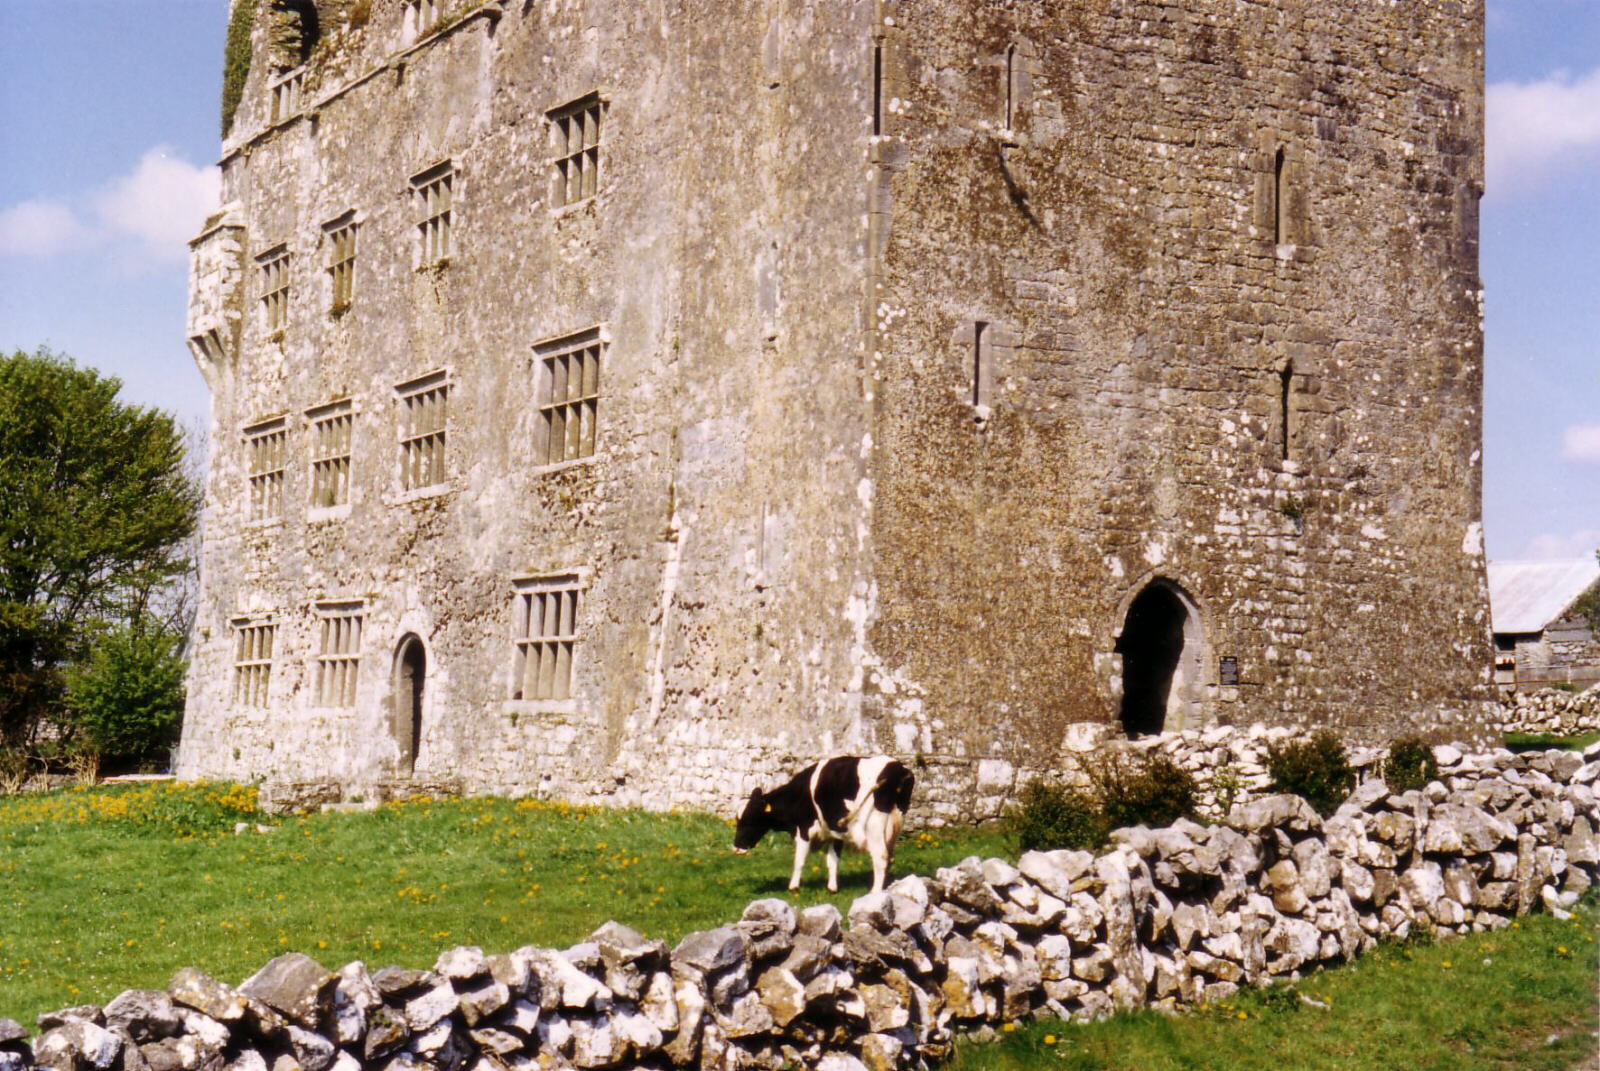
(892, 833)
(802, 847)
(878, 848)
(833, 866)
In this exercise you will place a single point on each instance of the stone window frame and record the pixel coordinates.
(555, 403)
(254, 640)
(266, 448)
(547, 636)
(575, 171)
(340, 624)
(288, 94)
(273, 267)
(341, 235)
(423, 441)
(331, 427)
(434, 196)
(419, 18)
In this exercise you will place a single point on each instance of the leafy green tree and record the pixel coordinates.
(125, 697)
(96, 508)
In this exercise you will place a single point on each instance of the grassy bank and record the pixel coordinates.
(117, 888)
(1523, 998)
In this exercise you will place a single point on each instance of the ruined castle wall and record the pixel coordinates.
(1143, 299)
(935, 334)
(715, 530)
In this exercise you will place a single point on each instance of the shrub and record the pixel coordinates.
(125, 700)
(1315, 769)
(1050, 816)
(1410, 764)
(1154, 792)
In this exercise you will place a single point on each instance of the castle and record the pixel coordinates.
(626, 401)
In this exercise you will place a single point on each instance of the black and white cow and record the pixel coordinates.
(860, 800)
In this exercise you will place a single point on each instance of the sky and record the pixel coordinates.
(109, 129)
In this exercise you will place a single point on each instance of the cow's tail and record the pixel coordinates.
(893, 790)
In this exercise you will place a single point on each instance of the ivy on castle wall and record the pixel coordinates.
(236, 59)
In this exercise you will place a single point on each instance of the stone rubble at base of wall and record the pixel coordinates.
(1164, 918)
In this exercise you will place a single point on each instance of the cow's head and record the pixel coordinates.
(753, 823)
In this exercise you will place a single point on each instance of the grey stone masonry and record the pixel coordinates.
(633, 402)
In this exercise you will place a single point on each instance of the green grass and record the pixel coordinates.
(1547, 741)
(117, 888)
(1523, 999)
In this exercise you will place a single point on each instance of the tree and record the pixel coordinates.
(124, 698)
(95, 509)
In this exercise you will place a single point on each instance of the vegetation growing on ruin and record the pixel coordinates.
(1123, 791)
(118, 887)
(1523, 998)
(1314, 768)
(236, 59)
(1410, 764)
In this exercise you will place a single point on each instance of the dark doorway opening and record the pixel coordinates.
(1151, 646)
(410, 677)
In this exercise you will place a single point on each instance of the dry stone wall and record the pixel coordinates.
(1165, 917)
(1551, 711)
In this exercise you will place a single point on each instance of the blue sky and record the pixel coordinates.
(108, 125)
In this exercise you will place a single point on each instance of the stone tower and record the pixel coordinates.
(628, 400)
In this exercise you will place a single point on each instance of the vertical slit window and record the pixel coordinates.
(266, 447)
(1278, 229)
(338, 654)
(331, 429)
(569, 397)
(422, 431)
(434, 191)
(275, 289)
(1011, 64)
(546, 637)
(575, 151)
(252, 661)
(982, 373)
(1285, 412)
(877, 89)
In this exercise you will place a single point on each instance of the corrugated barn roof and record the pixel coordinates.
(1527, 596)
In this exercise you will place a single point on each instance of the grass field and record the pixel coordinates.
(117, 888)
(1543, 741)
(1523, 999)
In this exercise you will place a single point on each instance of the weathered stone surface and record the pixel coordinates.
(194, 989)
(461, 964)
(430, 1005)
(783, 993)
(294, 984)
(1270, 812)
(400, 982)
(11, 1030)
(711, 950)
(143, 1015)
(77, 1043)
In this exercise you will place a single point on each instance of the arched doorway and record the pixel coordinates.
(1160, 649)
(410, 678)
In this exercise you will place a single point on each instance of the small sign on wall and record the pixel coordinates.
(1228, 670)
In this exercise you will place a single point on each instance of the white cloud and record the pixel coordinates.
(1538, 128)
(158, 207)
(34, 228)
(1581, 442)
(162, 203)
(1552, 545)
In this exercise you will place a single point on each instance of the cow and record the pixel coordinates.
(862, 800)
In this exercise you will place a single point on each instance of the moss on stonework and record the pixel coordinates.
(236, 59)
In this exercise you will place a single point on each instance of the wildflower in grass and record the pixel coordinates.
(1049, 1039)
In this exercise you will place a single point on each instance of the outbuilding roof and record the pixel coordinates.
(1525, 596)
